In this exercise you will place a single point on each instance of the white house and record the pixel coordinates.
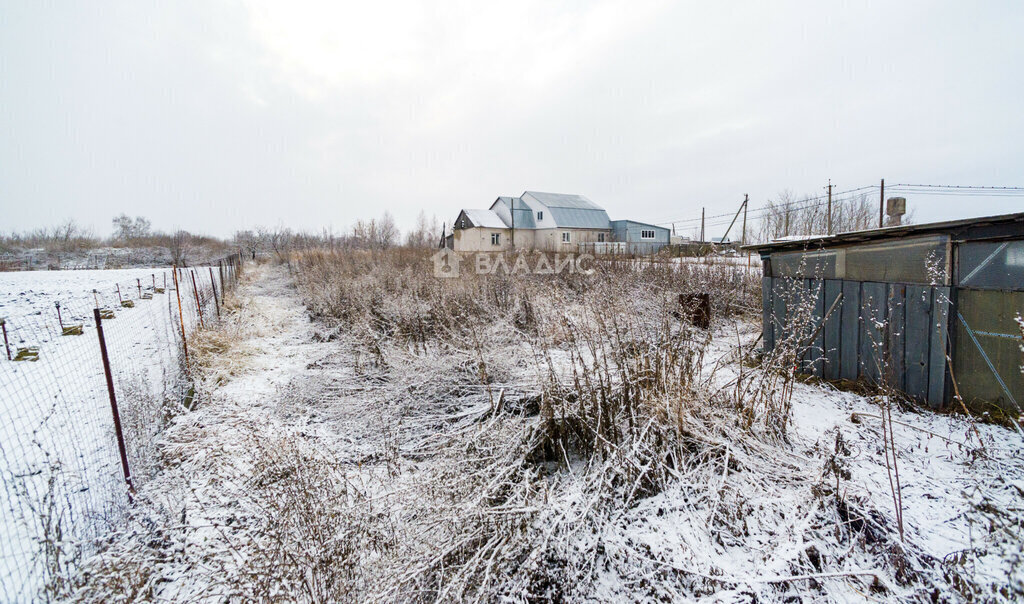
(550, 222)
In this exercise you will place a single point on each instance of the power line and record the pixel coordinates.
(777, 205)
(952, 193)
(923, 189)
(961, 187)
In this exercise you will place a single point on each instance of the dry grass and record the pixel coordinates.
(500, 439)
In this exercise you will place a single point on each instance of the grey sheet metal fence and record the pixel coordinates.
(888, 333)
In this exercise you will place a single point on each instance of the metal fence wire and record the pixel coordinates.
(85, 353)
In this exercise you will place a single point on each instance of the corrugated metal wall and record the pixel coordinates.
(879, 332)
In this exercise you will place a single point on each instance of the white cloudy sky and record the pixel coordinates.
(212, 115)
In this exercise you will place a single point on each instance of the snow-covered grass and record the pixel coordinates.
(553, 438)
(60, 468)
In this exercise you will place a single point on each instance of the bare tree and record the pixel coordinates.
(364, 234)
(787, 216)
(387, 232)
(180, 245)
(129, 230)
(280, 240)
(249, 241)
(426, 232)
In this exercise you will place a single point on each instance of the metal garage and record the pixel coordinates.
(902, 299)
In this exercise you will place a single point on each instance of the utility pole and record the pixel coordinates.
(512, 212)
(702, 225)
(743, 238)
(828, 227)
(881, 203)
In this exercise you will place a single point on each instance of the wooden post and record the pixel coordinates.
(113, 403)
(181, 316)
(743, 237)
(881, 204)
(828, 226)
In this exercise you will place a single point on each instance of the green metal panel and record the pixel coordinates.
(988, 359)
(815, 362)
(896, 328)
(850, 327)
(916, 345)
(938, 347)
(779, 323)
(872, 339)
(833, 328)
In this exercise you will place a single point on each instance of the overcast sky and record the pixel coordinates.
(212, 116)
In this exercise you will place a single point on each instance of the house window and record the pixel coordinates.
(540, 215)
(565, 237)
(647, 234)
(495, 238)
(600, 237)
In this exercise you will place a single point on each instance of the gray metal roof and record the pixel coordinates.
(569, 211)
(561, 211)
(573, 218)
(1003, 225)
(563, 200)
(648, 225)
(524, 214)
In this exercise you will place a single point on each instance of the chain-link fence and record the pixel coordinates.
(93, 365)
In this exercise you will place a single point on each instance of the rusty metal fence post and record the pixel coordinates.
(113, 402)
(7, 347)
(181, 316)
(213, 285)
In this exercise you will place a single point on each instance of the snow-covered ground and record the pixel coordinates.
(295, 392)
(58, 457)
(961, 496)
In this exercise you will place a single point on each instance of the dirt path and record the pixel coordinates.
(216, 520)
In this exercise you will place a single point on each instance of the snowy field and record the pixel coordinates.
(315, 473)
(60, 468)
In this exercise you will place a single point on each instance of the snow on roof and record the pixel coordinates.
(485, 218)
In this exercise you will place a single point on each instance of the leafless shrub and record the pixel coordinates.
(129, 230)
(180, 244)
(426, 234)
(787, 215)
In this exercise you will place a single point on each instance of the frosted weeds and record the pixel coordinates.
(330, 461)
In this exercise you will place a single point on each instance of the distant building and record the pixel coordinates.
(552, 222)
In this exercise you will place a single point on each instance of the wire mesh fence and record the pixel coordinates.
(82, 352)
